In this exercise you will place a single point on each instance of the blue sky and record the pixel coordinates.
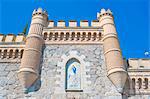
(131, 18)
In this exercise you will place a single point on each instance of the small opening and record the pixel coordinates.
(16, 53)
(146, 83)
(50, 36)
(21, 53)
(11, 54)
(140, 83)
(89, 35)
(0, 53)
(67, 35)
(5, 54)
(61, 36)
(84, 36)
(45, 36)
(56, 35)
(78, 35)
(100, 35)
(133, 83)
(141, 66)
(73, 36)
(94, 35)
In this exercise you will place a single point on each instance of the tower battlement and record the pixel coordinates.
(104, 12)
(39, 11)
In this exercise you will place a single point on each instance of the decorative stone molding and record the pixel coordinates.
(11, 54)
(67, 35)
(139, 85)
(60, 77)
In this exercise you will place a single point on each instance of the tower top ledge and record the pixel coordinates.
(39, 11)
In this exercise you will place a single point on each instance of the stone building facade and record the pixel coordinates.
(70, 62)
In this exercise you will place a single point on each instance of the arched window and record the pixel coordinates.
(61, 36)
(5, 54)
(67, 35)
(56, 35)
(83, 36)
(0, 53)
(145, 83)
(11, 53)
(100, 35)
(21, 53)
(73, 75)
(140, 83)
(89, 35)
(94, 36)
(50, 36)
(16, 53)
(78, 36)
(72, 35)
(133, 83)
(45, 36)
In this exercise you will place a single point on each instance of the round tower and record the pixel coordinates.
(29, 69)
(115, 67)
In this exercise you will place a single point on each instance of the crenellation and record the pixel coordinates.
(138, 63)
(61, 23)
(20, 38)
(2, 37)
(84, 23)
(73, 24)
(95, 23)
(10, 38)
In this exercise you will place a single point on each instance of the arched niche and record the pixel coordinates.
(73, 75)
(66, 63)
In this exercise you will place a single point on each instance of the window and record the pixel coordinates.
(133, 83)
(0, 53)
(21, 53)
(11, 53)
(45, 36)
(145, 83)
(5, 54)
(140, 83)
(73, 75)
(16, 53)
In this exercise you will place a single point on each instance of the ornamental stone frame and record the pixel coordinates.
(60, 77)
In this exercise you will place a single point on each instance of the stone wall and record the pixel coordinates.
(98, 85)
(10, 87)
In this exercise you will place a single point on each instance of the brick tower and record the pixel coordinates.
(112, 52)
(29, 69)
